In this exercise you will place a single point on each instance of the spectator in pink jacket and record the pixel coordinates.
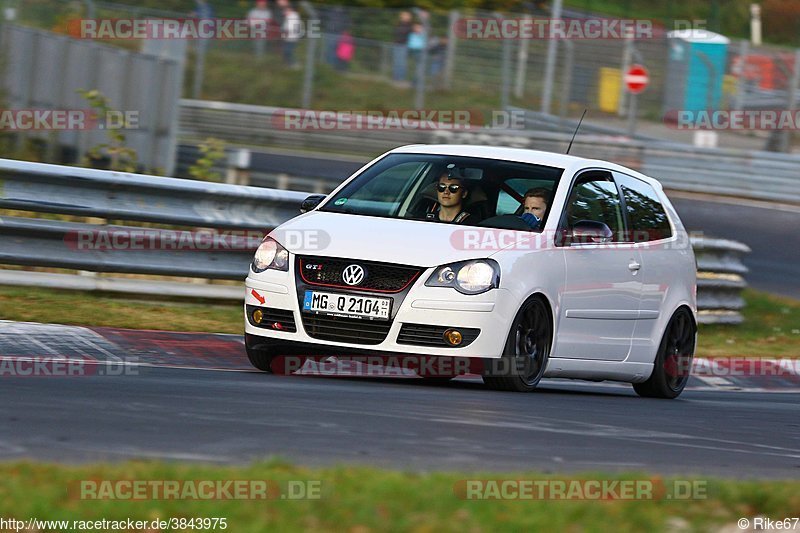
(345, 50)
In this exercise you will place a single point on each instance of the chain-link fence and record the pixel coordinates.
(450, 71)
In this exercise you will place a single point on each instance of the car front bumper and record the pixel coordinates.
(490, 312)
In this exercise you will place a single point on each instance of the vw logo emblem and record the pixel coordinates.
(353, 275)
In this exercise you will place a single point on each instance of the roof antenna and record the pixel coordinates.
(576, 131)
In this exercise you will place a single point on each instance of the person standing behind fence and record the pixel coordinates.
(437, 48)
(337, 22)
(345, 50)
(400, 47)
(291, 32)
(202, 10)
(417, 42)
(259, 18)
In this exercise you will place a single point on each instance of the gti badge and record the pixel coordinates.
(353, 275)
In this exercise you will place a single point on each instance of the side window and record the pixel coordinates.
(646, 216)
(594, 197)
(508, 205)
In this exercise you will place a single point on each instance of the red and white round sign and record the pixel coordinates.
(636, 79)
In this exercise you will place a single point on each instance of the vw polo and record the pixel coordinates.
(600, 286)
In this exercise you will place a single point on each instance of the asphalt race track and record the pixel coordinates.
(769, 230)
(238, 416)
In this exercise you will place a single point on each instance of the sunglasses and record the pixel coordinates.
(453, 188)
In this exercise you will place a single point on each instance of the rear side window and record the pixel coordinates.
(508, 205)
(647, 219)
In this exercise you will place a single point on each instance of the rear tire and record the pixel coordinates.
(674, 359)
(526, 351)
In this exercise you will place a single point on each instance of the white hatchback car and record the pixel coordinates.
(427, 250)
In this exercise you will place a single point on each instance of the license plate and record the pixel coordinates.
(347, 305)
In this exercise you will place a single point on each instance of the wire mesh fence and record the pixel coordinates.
(376, 68)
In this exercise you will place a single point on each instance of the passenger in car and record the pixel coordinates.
(534, 205)
(451, 192)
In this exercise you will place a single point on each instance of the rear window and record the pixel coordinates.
(647, 219)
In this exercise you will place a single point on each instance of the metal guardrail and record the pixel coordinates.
(118, 195)
(720, 280)
(750, 174)
(166, 201)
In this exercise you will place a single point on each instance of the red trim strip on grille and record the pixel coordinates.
(352, 287)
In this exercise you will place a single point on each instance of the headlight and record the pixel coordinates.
(467, 277)
(270, 254)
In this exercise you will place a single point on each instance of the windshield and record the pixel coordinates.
(452, 190)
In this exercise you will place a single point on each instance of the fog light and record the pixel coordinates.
(453, 337)
(258, 316)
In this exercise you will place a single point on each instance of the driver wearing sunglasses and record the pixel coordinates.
(451, 193)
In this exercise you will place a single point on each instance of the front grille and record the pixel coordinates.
(277, 319)
(340, 329)
(427, 335)
(380, 277)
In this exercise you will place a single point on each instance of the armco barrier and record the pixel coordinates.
(745, 173)
(35, 187)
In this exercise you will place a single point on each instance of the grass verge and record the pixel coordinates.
(31, 304)
(771, 327)
(361, 499)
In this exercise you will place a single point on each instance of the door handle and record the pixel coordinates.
(634, 266)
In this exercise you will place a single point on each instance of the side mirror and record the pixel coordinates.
(589, 232)
(311, 202)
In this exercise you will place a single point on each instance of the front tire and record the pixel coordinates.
(260, 359)
(674, 359)
(526, 351)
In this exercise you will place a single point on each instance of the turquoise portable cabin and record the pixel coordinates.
(695, 70)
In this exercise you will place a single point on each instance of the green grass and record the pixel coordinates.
(771, 327)
(29, 304)
(361, 499)
(233, 75)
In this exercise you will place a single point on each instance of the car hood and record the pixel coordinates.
(409, 242)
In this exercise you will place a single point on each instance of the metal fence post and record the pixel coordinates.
(422, 64)
(550, 66)
(522, 63)
(505, 81)
(89, 8)
(633, 98)
(786, 135)
(308, 75)
(450, 57)
(566, 82)
(627, 51)
(744, 51)
(199, 67)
